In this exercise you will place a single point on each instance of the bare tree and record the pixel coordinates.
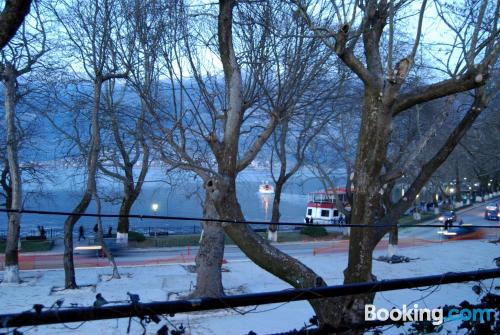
(290, 141)
(386, 97)
(333, 152)
(294, 68)
(92, 30)
(140, 48)
(124, 147)
(18, 59)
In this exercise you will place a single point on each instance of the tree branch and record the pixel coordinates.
(11, 18)
(433, 164)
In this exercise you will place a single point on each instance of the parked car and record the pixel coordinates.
(492, 213)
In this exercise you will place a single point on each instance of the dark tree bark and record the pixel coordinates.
(69, 224)
(275, 216)
(458, 186)
(222, 191)
(7, 189)
(81, 207)
(393, 242)
(123, 221)
(11, 18)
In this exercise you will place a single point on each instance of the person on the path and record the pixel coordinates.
(42, 233)
(81, 233)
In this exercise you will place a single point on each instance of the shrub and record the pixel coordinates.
(314, 231)
(136, 236)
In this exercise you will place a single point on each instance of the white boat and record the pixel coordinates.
(322, 208)
(266, 188)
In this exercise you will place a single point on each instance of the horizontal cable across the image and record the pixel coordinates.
(184, 218)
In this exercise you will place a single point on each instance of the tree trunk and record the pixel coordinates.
(275, 218)
(11, 18)
(11, 272)
(262, 253)
(210, 255)
(123, 221)
(100, 237)
(458, 190)
(367, 202)
(69, 224)
(392, 247)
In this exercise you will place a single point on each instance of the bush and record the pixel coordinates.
(136, 236)
(314, 231)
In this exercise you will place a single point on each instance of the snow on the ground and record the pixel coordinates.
(159, 283)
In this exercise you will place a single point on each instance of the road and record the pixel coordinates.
(136, 257)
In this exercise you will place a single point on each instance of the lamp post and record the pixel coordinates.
(155, 207)
(452, 195)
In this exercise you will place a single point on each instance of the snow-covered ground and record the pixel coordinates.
(159, 283)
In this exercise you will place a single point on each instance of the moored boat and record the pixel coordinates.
(266, 188)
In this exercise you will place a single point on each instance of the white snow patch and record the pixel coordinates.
(158, 283)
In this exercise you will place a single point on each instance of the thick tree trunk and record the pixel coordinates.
(367, 202)
(392, 247)
(11, 18)
(123, 221)
(11, 272)
(210, 255)
(262, 253)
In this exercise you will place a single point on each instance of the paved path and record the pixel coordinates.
(139, 257)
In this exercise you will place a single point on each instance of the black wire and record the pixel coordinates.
(184, 218)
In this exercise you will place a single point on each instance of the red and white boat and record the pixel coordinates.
(266, 188)
(322, 208)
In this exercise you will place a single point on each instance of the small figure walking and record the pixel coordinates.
(96, 228)
(110, 231)
(81, 233)
(43, 236)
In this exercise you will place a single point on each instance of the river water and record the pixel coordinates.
(179, 195)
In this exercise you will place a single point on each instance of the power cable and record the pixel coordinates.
(184, 218)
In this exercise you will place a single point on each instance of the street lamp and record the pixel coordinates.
(155, 207)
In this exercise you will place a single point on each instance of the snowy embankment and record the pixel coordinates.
(157, 283)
